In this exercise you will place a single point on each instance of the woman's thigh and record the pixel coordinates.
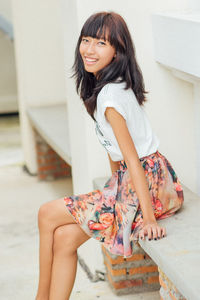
(55, 213)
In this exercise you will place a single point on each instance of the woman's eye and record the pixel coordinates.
(85, 40)
(101, 43)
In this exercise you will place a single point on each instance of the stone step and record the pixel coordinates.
(178, 254)
(52, 124)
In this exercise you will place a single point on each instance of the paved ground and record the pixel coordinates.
(10, 146)
(21, 196)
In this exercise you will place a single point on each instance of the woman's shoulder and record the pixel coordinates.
(115, 90)
(113, 86)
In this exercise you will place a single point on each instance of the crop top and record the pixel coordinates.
(124, 101)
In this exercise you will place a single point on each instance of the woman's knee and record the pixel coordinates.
(44, 213)
(68, 238)
(64, 240)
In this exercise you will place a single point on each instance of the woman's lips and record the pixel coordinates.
(90, 61)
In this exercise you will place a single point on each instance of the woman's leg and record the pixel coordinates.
(67, 239)
(50, 216)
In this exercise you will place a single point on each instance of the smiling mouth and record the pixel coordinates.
(90, 61)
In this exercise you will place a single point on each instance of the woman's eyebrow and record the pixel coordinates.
(102, 38)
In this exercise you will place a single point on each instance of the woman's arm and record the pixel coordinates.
(134, 166)
(114, 165)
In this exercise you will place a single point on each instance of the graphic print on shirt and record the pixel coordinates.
(101, 137)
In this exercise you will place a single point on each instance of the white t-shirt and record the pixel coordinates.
(125, 102)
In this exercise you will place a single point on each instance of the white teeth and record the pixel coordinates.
(91, 60)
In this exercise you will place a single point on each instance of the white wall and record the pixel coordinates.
(86, 153)
(39, 52)
(39, 48)
(5, 9)
(8, 86)
(195, 4)
(171, 106)
(8, 89)
(42, 79)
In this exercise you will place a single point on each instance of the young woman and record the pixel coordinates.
(143, 186)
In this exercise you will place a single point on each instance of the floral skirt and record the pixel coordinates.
(113, 216)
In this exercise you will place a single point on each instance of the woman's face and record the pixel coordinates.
(96, 53)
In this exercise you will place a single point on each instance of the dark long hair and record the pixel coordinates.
(110, 26)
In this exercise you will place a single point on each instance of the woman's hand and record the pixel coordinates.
(152, 230)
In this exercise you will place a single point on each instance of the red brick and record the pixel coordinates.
(125, 283)
(169, 286)
(103, 248)
(172, 297)
(121, 259)
(61, 173)
(39, 161)
(49, 160)
(143, 269)
(41, 153)
(118, 260)
(113, 261)
(153, 279)
(64, 165)
(42, 176)
(50, 164)
(135, 257)
(147, 256)
(163, 284)
(47, 167)
(115, 272)
(175, 298)
(50, 151)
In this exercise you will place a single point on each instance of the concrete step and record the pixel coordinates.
(178, 255)
(52, 124)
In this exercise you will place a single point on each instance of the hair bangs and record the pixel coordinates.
(99, 27)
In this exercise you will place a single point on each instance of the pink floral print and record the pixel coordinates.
(113, 216)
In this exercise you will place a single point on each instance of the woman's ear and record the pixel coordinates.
(115, 55)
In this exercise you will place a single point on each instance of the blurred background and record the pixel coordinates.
(48, 146)
(10, 150)
(36, 54)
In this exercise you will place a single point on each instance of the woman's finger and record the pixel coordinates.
(164, 232)
(146, 230)
(159, 232)
(141, 234)
(149, 233)
(154, 230)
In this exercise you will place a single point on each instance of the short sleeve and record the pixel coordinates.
(113, 95)
(118, 107)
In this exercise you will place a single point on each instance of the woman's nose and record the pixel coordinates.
(90, 48)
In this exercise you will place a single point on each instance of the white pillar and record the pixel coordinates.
(89, 159)
(196, 94)
(197, 129)
(39, 63)
(27, 135)
(194, 4)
